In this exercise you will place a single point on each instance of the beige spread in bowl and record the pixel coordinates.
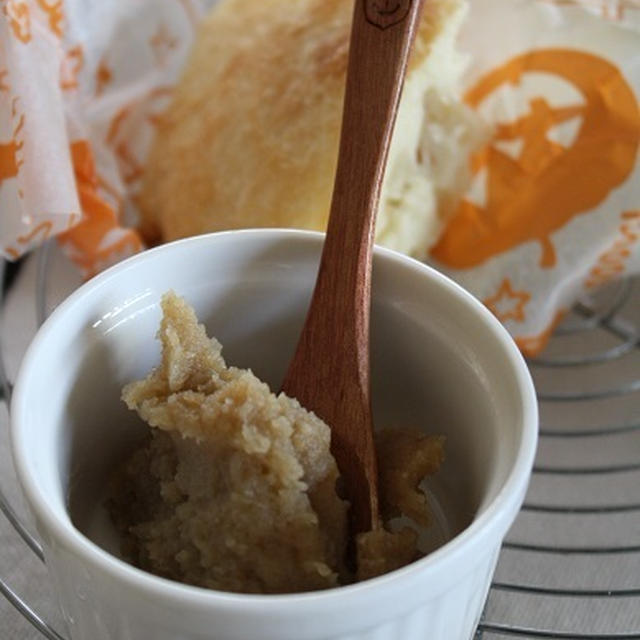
(235, 488)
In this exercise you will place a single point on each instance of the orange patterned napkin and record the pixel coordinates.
(554, 208)
(82, 83)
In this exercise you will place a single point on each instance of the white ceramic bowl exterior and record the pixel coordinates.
(439, 360)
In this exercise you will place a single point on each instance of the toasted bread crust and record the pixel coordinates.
(251, 137)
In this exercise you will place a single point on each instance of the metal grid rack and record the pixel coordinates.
(570, 567)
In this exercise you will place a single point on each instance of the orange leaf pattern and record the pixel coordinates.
(615, 11)
(507, 304)
(97, 240)
(10, 160)
(3, 86)
(133, 127)
(19, 16)
(546, 185)
(71, 66)
(612, 263)
(103, 76)
(54, 15)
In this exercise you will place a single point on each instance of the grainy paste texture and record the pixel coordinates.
(235, 487)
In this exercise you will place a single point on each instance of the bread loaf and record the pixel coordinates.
(251, 137)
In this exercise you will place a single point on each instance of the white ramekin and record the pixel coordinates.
(439, 360)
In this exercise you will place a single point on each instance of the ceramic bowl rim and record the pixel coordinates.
(494, 519)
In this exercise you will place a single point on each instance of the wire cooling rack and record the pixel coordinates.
(570, 567)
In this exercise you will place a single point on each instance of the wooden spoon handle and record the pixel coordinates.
(337, 387)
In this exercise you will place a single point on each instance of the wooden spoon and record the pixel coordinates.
(329, 373)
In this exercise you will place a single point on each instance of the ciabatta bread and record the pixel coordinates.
(251, 137)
